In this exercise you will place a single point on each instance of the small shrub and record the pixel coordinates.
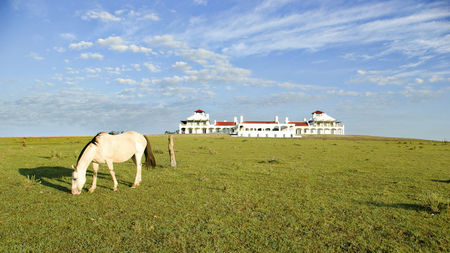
(273, 161)
(54, 154)
(32, 180)
(434, 202)
(210, 151)
(158, 151)
(238, 166)
(24, 143)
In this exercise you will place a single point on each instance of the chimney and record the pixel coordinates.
(276, 118)
(242, 118)
(286, 120)
(235, 119)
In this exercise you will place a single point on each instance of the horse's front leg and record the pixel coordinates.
(113, 175)
(94, 177)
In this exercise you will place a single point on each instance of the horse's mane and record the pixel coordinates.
(93, 141)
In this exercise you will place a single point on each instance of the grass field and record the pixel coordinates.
(231, 194)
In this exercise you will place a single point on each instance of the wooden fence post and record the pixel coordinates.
(173, 162)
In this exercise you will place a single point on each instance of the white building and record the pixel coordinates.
(199, 123)
(319, 123)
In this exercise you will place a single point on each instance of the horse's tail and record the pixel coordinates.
(149, 157)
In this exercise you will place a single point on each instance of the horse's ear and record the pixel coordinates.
(73, 167)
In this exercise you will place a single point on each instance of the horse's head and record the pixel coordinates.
(78, 180)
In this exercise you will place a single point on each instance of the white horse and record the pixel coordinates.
(105, 148)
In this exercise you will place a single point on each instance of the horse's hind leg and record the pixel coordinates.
(113, 175)
(94, 177)
(137, 160)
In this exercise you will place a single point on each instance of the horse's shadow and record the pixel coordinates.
(49, 175)
(56, 177)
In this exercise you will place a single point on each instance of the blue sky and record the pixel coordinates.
(80, 67)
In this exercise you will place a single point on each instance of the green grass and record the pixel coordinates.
(231, 194)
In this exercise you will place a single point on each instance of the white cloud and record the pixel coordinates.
(166, 40)
(277, 99)
(93, 70)
(150, 16)
(216, 67)
(35, 56)
(68, 36)
(201, 2)
(343, 93)
(152, 67)
(303, 87)
(126, 81)
(110, 41)
(119, 12)
(400, 77)
(59, 49)
(116, 43)
(112, 70)
(438, 78)
(126, 93)
(412, 31)
(80, 45)
(41, 84)
(181, 66)
(172, 80)
(137, 67)
(72, 71)
(361, 72)
(102, 15)
(185, 93)
(119, 48)
(137, 49)
(96, 56)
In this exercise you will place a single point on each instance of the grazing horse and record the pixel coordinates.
(109, 149)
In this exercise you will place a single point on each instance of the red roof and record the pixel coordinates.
(300, 123)
(224, 123)
(199, 111)
(259, 122)
(318, 112)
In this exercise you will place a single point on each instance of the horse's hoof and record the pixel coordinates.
(115, 189)
(91, 190)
